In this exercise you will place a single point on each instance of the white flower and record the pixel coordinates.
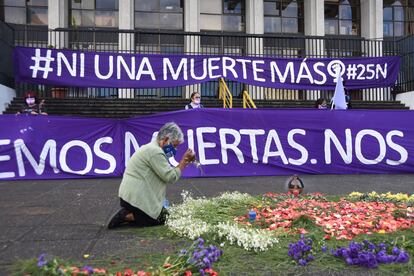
(235, 196)
(185, 221)
(186, 195)
(248, 238)
(183, 227)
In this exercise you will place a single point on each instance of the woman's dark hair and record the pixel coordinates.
(193, 94)
(294, 180)
(319, 102)
(31, 94)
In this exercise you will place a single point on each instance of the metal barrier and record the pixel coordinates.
(225, 94)
(167, 42)
(247, 100)
(406, 77)
(6, 55)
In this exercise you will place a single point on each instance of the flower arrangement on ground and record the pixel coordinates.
(198, 258)
(301, 251)
(334, 232)
(191, 219)
(344, 219)
(370, 255)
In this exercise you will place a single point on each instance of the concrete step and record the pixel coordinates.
(123, 108)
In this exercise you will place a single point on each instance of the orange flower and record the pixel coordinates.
(99, 270)
(343, 219)
(75, 270)
(302, 231)
(211, 272)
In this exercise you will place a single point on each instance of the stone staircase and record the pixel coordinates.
(124, 108)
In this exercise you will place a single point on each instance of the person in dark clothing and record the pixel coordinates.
(347, 96)
(320, 103)
(295, 185)
(31, 105)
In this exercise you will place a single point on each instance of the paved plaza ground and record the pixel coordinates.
(67, 218)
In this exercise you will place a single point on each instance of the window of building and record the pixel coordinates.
(398, 18)
(94, 13)
(284, 16)
(342, 17)
(31, 12)
(159, 14)
(222, 15)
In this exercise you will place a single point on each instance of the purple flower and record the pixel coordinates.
(324, 249)
(345, 252)
(349, 261)
(204, 252)
(203, 256)
(200, 242)
(382, 259)
(297, 256)
(303, 262)
(382, 246)
(88, 269)
(201, 271)
(372, 263)
(306, 248)
(300, 251)
(371, 246)
(41, 260)
(183, 252)
(196, 255)
(206, 262)
(390, 258)
(369, 255)
(403, 257)
(395, 250)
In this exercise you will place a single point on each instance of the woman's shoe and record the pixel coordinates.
(118, 218)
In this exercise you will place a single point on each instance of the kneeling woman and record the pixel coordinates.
(143, 187)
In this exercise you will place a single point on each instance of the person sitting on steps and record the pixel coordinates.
(195, 101)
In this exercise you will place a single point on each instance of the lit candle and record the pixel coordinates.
(252, 216)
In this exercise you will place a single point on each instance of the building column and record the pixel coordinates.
(372, 19)
(372, 28)
(58, 17)
(254, 17)
(255, 47)
(126, 41)
(191, 15)
(314, 26)
(191, 42)
(314, 17)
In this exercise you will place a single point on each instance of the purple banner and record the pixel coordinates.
(102, 69)
(227, 143)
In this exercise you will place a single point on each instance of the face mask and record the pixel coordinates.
(197, 101)
(169, 150)
(30, 101)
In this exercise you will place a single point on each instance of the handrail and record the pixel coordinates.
(225, 94)
(247, 100)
